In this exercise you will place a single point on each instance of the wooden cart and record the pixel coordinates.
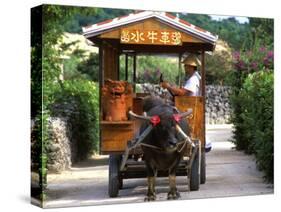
(149, 33)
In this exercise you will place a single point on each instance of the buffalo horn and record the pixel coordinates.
(136, 116)
(186, 137)
(185, 114)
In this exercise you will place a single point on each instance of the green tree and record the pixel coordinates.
(219, 64)
(262, 31)
(47, 23)
(75, 24)
(90, 67)
(55, 18)
(230, 30)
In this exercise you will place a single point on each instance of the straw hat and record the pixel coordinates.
(192, 60)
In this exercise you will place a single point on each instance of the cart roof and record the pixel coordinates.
(205, 38)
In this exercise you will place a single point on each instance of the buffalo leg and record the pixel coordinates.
(173, 193)
(151, 194)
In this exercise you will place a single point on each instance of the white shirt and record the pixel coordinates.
(193, 84)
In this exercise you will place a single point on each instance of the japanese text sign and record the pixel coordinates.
(158, 37)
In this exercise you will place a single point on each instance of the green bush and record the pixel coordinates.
(75, 68)
(78, 100)
(252, 105)
(257, 118)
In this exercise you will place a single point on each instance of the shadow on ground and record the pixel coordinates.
(92, 162)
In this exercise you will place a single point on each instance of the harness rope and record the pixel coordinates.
(184, 142)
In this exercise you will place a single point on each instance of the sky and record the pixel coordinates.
(238, 18)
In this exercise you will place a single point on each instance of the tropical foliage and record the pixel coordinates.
(252, 102)
(257, 117)
(47, 27)
(78, 101)
(219, 64)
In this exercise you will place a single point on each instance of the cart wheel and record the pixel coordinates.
(195, 175)
(203, 167)
(114, 175)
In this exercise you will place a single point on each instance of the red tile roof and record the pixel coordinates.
(104, 22)
(170, 15)
(184, 22)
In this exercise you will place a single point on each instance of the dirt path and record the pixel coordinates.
(229, 173)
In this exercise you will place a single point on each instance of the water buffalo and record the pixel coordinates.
(163, 147)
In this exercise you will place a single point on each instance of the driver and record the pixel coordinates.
(192, 79)
(191, 86)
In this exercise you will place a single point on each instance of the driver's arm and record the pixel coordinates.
(179, 91)
(176, 91)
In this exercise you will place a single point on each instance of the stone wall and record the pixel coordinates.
(58, 146)
(217, 101)
(217, 104)
(59, 149)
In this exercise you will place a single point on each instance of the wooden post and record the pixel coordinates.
(126, 67)
(117, 58)
(101, 66)
(203, 82)
(203, 73)
(180, 69)
(135, 70)
(101, 83)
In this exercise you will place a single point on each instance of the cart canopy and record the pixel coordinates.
(143, 31)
